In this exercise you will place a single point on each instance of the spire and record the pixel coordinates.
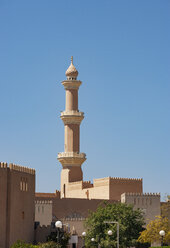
(71, 72)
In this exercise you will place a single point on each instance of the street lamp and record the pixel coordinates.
(59, 226)
(162, 234)
(110, 232)
(84, 235)
(92, 239)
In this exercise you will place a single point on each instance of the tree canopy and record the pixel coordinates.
(130, 225)
(151, 234)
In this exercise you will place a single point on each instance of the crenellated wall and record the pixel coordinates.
(119, 186)
(17, 192)
(43, 212)
(149, 203)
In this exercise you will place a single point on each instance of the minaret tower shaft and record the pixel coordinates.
(71, 159)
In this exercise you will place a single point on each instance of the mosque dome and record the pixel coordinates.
(71, 72)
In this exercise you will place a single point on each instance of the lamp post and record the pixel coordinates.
(59, 226)
(162, 234)
(84, 235)
(110, 232)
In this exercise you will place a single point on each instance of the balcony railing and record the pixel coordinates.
(71, 154)
(72, 112)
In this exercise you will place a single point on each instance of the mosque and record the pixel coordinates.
(76, 196)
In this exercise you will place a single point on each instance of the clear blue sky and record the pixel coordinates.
(121, 50)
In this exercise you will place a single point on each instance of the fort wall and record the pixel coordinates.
(107, 188)
(43, 212)
(119, 186)
(17, 196)
(149, 203)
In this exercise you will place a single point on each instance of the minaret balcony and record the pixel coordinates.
(72, 117)
(71, 84)
(71, 158)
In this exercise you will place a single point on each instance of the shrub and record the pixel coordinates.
(50, 244)
(22, 244)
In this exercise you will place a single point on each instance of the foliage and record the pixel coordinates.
(61, 238)
(165, 209)
(50, 244)
(151, 234)
(160, 247)
(130, 222)
(22, 244)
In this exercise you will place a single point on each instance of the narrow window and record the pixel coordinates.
(21, 184)
(26, 185)
(42, 209)
(23, 215)
(64, 190)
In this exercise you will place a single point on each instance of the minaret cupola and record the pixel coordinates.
(71, 72)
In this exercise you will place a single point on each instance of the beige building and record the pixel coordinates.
(17, 194)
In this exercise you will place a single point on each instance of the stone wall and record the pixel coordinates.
(17, 193)
(149, 203)
(108, 188)
(43, 212)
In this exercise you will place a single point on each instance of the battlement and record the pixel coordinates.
(142, 194)
(43, 202)
(3, 165)
(57, 193)
(121, 179)
(87, 184)
(73, 219)
(15, 167)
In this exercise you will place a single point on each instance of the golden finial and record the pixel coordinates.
(72, 59)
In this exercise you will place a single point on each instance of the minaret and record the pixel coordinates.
(71, 159)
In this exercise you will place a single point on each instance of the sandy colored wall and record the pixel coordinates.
(17, 194)
(43, 212)
(119, 186)
(70, 207)
(22, 209)
(149, 203)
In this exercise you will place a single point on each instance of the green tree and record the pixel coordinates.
(151, 234)
(130, 225)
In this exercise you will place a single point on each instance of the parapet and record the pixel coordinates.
(3, 165)
(43, 202)
(87, 184)
(142, 194)
(73, 219)
(17, 168)
(57, 193)
(120, 179)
